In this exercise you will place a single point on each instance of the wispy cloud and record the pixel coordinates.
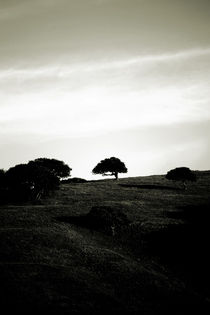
(95, 102)
(95, 111)
(61, 71)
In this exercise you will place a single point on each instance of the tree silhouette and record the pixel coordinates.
(182, 174)
(111, 166)
(56, 167)
(29, 181)
(2, 186)
(2, 178)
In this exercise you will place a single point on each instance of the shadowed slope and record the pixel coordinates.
(60, 266)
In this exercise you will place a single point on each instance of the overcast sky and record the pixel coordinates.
(83, 80)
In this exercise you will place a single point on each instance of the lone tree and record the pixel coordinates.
(182, 174)
(110, 167)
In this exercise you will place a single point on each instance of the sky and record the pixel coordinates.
(85, 80)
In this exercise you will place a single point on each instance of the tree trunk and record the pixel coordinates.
(116, 175)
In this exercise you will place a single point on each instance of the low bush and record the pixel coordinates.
(75, 180)
(107, 218)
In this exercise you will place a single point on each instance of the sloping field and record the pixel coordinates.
(51, 262)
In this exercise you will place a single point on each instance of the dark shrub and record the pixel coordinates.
(74, 180)
(29, 182)
(182, 174)
(105, 217)
(3, 186)
(2, 178)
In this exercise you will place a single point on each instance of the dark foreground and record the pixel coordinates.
(51, 261)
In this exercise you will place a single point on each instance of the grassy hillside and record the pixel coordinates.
(51, 261)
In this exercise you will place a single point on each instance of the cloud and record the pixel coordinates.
(95, 97)
(65, 71)
(94, 111)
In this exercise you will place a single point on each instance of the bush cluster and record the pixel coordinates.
(31, 181)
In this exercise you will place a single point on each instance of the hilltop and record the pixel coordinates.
(51, 262)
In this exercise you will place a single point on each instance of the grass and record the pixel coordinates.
(50, 262)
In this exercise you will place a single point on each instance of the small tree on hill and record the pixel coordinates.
(182, 174)
(111, 166)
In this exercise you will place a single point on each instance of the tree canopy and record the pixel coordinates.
(183, 174)
(110, 166)
(30, 181)
(56, 167)
(33, 180)
(2, 177)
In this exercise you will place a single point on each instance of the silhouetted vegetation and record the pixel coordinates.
(107, 218)
(182, 174)
(31, 181)
(74, 180)
(56, 167)
(2, 186)
(2, 179)
(110, 167)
